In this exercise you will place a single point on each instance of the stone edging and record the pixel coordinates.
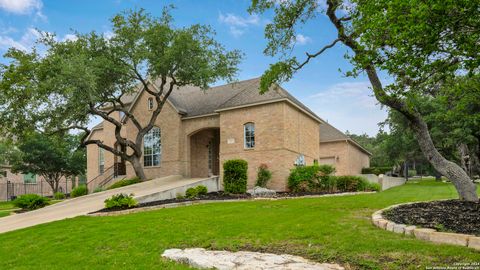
(174, 205)
(431, 235)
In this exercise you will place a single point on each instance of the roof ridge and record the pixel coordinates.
(237, 94)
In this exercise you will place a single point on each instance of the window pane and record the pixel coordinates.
(152, 147)
(249, 135)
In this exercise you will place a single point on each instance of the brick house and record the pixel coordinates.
(198, 130)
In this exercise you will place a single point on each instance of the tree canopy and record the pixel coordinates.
(421, 45)
(89, 77)
(53, 157)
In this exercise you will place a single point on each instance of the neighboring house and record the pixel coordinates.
(198, 130)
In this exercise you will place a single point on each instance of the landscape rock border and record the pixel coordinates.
(187, 203)
(432, 235)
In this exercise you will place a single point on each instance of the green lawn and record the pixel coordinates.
(331, 229)
(6, 208)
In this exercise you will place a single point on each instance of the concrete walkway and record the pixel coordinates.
(90, 203)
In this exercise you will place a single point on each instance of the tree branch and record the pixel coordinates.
(310, 56)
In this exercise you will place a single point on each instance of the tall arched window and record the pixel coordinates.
(152, 148)
(249, 135)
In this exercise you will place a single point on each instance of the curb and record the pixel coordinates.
(187, 203)
(432, 235)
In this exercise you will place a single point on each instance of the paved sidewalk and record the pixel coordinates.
(93, 202)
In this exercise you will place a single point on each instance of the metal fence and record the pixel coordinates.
(11, 190)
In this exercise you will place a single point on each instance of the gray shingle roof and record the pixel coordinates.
(329, 133)
(193, 101)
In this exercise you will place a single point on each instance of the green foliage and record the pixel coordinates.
(98, 189)
(125, 182)
(51, 156)
(412, 173)
(311, 178)
(373, 187)
(180, 196)
(191, 193)
(81, 190)
(31, 201)
(376, 170)
(263, 176)
(235, 176)
(202, 190)
(59, 196)
(351, 183)
(120, 201)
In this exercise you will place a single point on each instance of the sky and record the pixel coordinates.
(344, 102)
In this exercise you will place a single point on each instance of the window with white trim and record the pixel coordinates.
(101, 160)
(152, 148)
(249, 135)
(150, 104)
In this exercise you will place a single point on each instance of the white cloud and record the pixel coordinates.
(69, 37)
(21, 6)
(238, 24)
(24, 7)
(302, 40)
(349, 106)
(24, 43)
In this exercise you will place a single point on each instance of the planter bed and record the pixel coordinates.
(213, 197)
(448, 216)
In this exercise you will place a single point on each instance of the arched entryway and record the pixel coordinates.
(204, 153)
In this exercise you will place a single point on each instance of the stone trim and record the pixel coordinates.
(431, 235)
(187, 203)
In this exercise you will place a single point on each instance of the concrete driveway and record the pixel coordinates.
(90, 203)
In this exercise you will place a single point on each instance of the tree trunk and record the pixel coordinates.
(138, 168)
(465, 187)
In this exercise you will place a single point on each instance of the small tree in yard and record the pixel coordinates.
(90, 77)
(235, 176)
(263, 175)
(51, 157)
(422, 45)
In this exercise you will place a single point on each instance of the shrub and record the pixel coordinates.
(125, 182)
(79, 191)
(263, 176)
(311, 178)
(120, 201)
(351, 183)
(191, 193)
(59, 196)
(302, 178)
(30, 201)
(373, 187)
(376, 170)
(98, 189)
(202, 190)
(235, 176)
(412, 173)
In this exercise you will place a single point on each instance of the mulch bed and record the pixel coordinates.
(220, 196)
(448, 216)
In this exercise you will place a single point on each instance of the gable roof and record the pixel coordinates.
(192, 101)
(329, 133)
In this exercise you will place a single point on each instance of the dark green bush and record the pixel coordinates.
(30, 202)
(79, 191)
(373, 187)
(191, 193)
(263, 176)
(120, 201)
(202, 190)
(235, 176)
(59, 196)
(312, 178)
(303, 178)
(125, 182)
(350, 183)
(376, 170)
